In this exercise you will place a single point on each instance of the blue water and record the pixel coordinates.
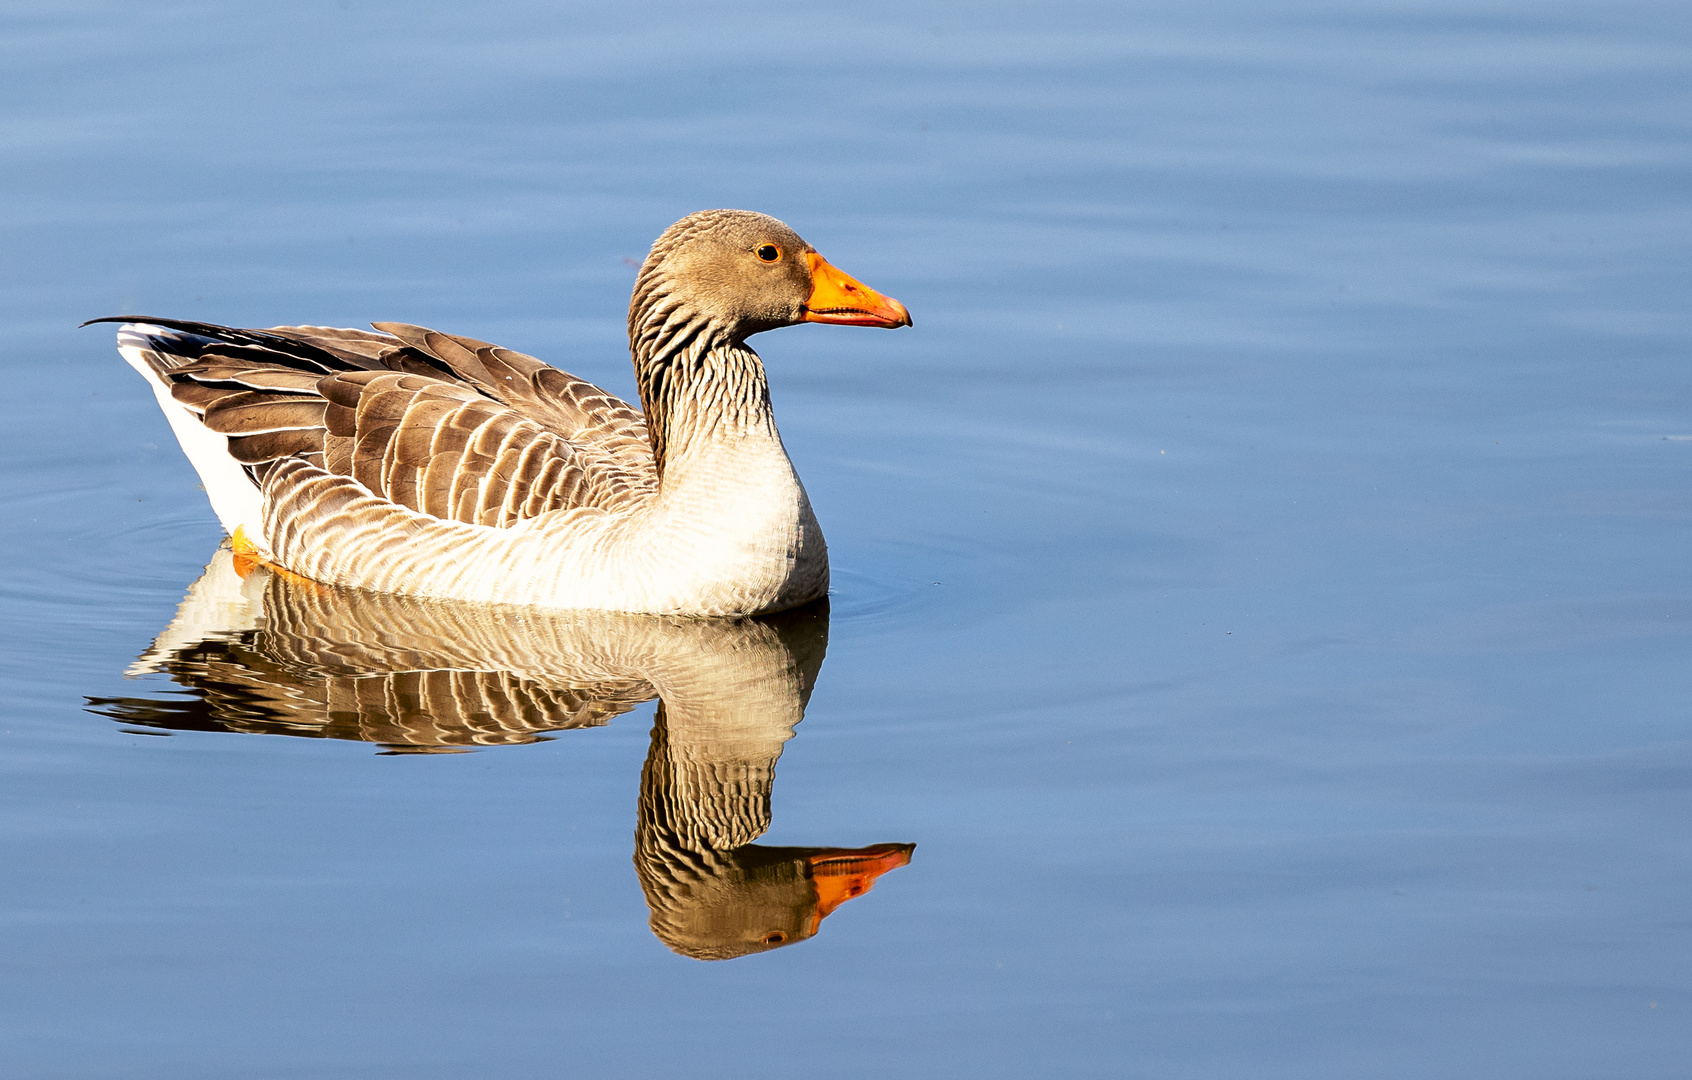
(1261, 593)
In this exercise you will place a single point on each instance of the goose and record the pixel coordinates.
(413, 462)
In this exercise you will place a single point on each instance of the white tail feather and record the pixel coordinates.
(234, 497)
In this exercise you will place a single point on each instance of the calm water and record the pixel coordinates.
(1262, 591)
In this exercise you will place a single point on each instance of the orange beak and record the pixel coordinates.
(842, 874)
(838, 298)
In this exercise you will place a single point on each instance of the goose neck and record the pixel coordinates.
(701, 391)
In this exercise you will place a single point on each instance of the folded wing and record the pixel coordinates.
(450, 427)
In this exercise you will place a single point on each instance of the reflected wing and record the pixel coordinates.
(237, 685)
(261, 654)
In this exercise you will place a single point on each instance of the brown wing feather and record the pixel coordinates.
(240, 414)
(444, 425)
(341, 341)
(271, 445)
(445, 450)
(613, 432)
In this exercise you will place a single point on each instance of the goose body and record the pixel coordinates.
(418, 463)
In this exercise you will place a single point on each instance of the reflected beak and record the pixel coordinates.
(838, 298)
(843, 873)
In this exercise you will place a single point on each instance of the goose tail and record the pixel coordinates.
(155, 350)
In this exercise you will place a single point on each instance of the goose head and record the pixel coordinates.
(744, 273)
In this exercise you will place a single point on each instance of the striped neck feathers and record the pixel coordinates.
(698, 380)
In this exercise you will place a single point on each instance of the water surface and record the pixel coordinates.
(1261, 582)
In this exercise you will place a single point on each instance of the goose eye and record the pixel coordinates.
(769, 253)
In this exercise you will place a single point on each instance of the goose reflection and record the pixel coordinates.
(259, 653)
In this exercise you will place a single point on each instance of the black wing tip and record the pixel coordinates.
(116, 318)
(189, 326)
(299, 351)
